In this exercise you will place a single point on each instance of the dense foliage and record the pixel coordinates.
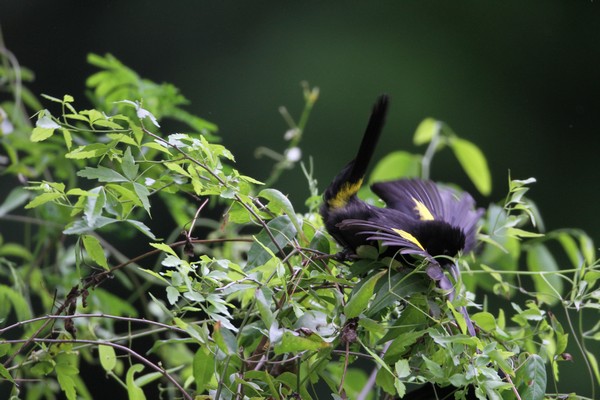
(147, 255)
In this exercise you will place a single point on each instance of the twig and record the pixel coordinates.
(116, 346)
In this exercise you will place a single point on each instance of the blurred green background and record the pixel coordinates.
(520, 79)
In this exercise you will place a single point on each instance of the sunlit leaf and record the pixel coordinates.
(95, 251)
(473, 163)
(133, 390)
(108, 357)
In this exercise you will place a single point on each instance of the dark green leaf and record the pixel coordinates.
(204, 368)
(360, 296)
(531, 378)
(283, 231)
(101, 173)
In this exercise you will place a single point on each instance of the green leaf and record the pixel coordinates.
(140, 226)
(107, 356)
(402, 370)
(203, 369)
(88, 151)
(143, 193)
(531, 378)
(593, 364)
(294, 342)
(66, 370)
(473, 163)
(165, 248)
(386, 381)
(5, 374)
(94, 205)
(283, 231)
(43, 199)
(130, 168)
(224, 339)
(264, 301)
(485, 321)
(95, 250)
(434, 368)
(133, 390)
(360, 296)
(279, 203)
(401, 344)
(549, 287)
(15, 198)
(103, 174)
(426, 130)
(396, 165)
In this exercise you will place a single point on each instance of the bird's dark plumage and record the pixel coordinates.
(420, 217)
(421, 220)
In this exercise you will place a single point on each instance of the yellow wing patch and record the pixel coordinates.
(423, 211)
(408, 237)
(347, 190)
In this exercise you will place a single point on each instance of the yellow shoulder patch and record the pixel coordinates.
(347, 190)
(409, 237)
(423, 211)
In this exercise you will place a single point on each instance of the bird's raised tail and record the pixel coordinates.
(347, 183)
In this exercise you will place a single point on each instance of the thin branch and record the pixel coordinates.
(125, 349)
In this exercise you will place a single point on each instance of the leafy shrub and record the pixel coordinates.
(231, 292)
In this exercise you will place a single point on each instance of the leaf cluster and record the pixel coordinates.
(242, 294)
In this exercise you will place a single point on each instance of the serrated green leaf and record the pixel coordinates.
(130, 168)
(473, 163)
(531, 378)
(279, 203)
(67, 137)
(359, 299)
(40, 134)
(172, 295)
(88, 151)
(95, 251)
(103, 174)
(165, 248)
(66, 370)
(43, 199)
(108, 357)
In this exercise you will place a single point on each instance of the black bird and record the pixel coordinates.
(421, 220)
